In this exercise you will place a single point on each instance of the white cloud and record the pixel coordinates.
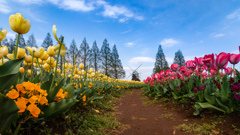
(30, 1)
(217, 35)
(122, 20)
(3, 7)
(129, 44)
(127, 31)
(234, 15)
(136, 60)
(169, 42)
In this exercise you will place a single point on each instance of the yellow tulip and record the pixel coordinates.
(81, 66)
(54, 29)
(21, 70)
(51, 51)
(62, 51)
(1, 54)
(76, 76)
(50, 60)
(3, 34)
(28, 59)
(5, 50)
(19, 24)
(37, 52)
(26, 64)
(44, 56)
(20, 54)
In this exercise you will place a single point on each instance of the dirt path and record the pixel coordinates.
(145, 119)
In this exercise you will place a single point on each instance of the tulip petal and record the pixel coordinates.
(54, 29)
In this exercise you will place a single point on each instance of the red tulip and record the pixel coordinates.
(228, 70)
(190, 64)
(199, 61)
(182, 69)
(208, 60)
(234, 58)
(222, 60)
(174, 67)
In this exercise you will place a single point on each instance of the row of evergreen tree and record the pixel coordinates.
(161, 62)
(105, 60)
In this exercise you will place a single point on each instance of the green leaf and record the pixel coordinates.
(53, 92)
(209, 105)
(8, 112)
(8, 73)
(56, 108)
(96, 96)
(45, 77)
(223, 106)
(72, 92)
(197, 109)
(36, 79)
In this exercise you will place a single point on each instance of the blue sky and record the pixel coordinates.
(137, 27)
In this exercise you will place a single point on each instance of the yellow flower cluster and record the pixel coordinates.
(28, 96)
(61, 95)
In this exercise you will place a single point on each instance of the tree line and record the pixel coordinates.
(161, 62)
(105, 60)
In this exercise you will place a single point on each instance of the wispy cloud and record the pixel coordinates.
(169, 42)
(11, 35)
(169, 60)
(234, 15)
(127, 31)
(136, 60)
(4, 8)
(218, 35)
(129, 44)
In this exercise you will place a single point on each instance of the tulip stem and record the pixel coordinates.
(64, 65)
(16, 47)
(32, 67)
(39, 67)
(56, 62)
(234, 71)
(2, 60)
(73, 69)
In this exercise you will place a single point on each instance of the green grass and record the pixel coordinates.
(149, 102)
(85, 120)
(205, 129)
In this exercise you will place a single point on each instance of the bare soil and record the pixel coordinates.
(162, 118)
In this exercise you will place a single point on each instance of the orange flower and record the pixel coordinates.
(84, 98)
(60, 95)
(33, 99)
(20, 88)
(28, 85)
(43, 92)
(34, 110)
(13, 94)
(84, 104)
(21, 104)
(80, 85)
(42, 100)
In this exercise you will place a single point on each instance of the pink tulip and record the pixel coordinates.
(182, 69)
(222, 60)
(208, 60)
(174, 67)
(228, 70)
(234, 58)
(199, 61)
(190, 64)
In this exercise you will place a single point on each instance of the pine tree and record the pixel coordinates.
(116, 71)
(32, 41)
(179, 58)
(161, 62)
(105, 57)
(95, 56)
(5, 42)
(21, 42)
(72, 51)
(11, 45)
(47, 41)
(85, 53)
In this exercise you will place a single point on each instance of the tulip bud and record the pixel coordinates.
(44, 56)
(1, 54)
(81, 66)
(3, 34)
(69, 76)
(5, 50)
(21, 70)
(50, 60)
(29, 72)
(21, 53)
(28, 59)
(19, 24)
(62, 75)
(51, 51)
(76, 76)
